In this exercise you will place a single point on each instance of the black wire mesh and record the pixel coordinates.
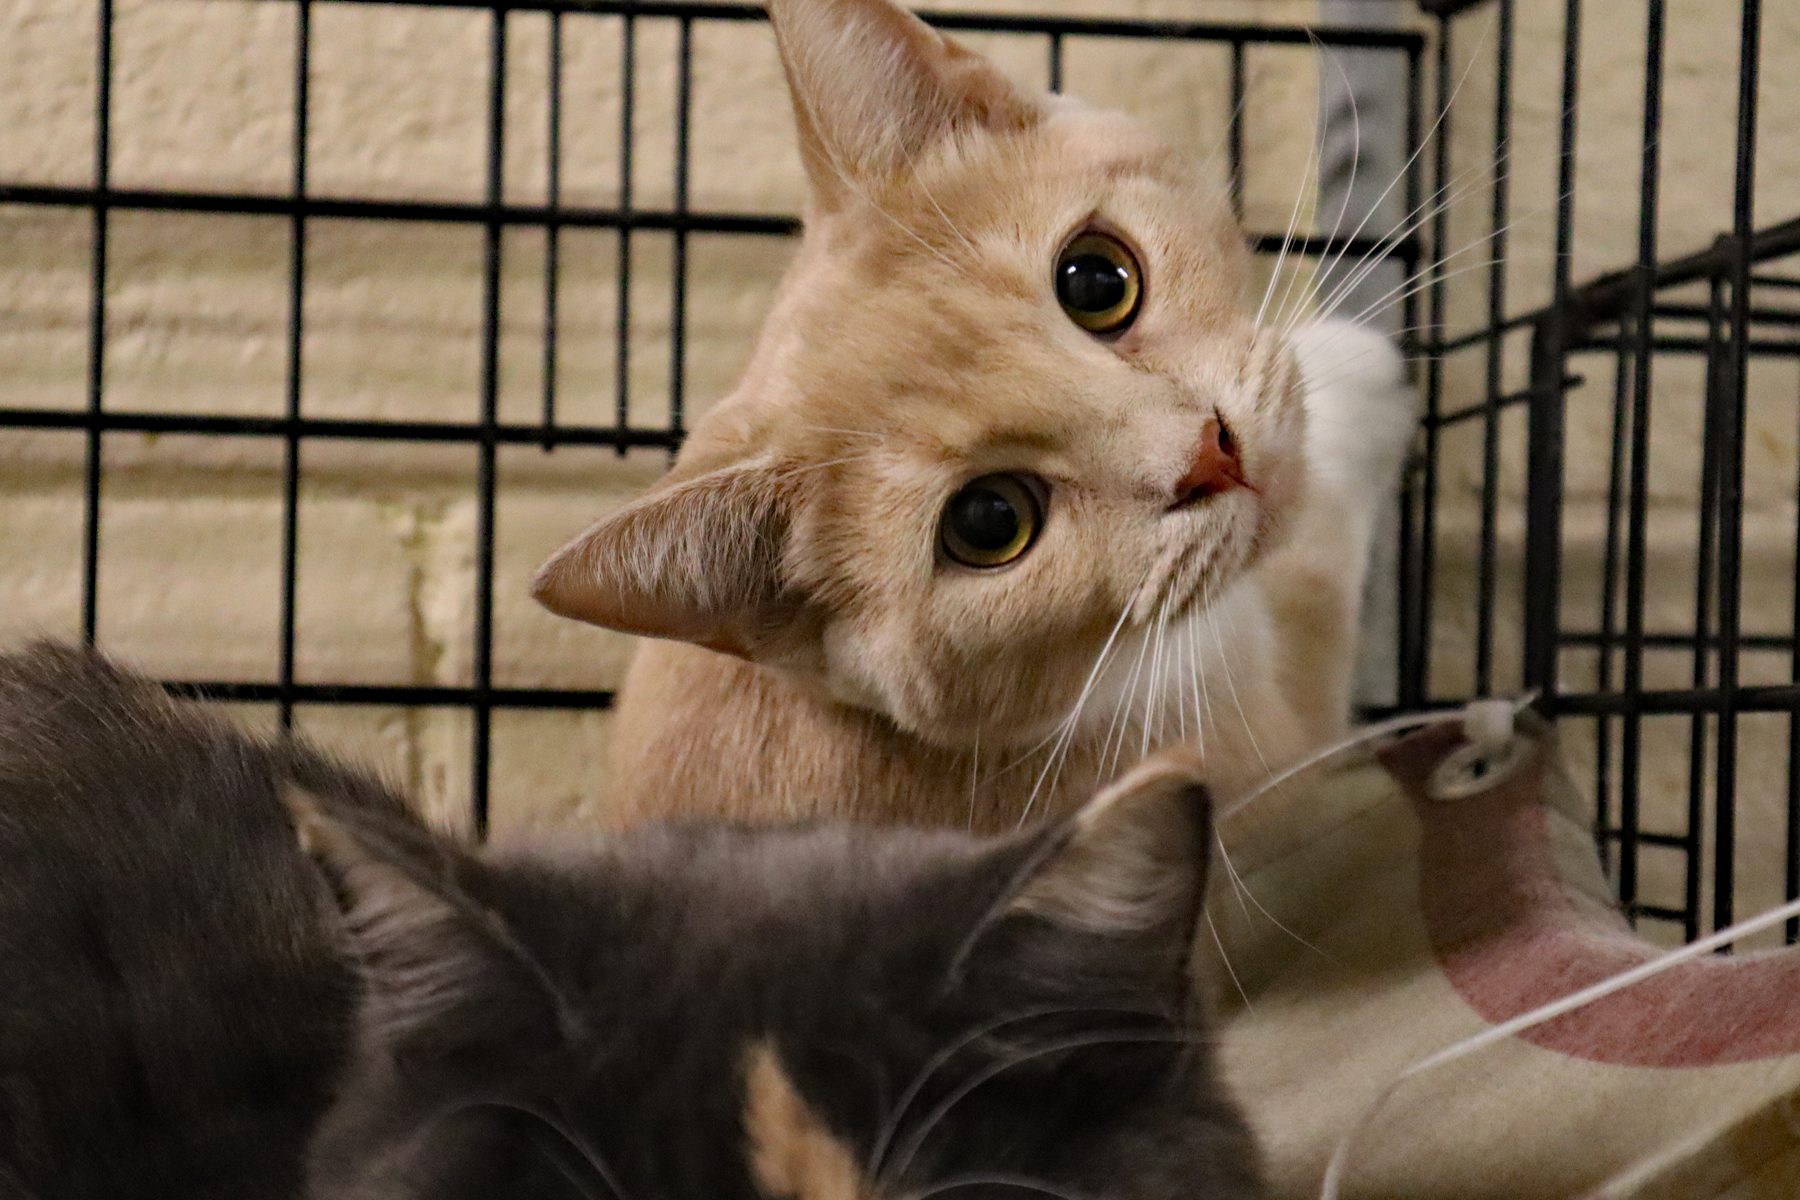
(1659, 706)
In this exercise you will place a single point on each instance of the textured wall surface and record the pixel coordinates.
(197, 312)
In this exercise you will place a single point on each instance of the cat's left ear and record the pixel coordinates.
(1111, 901)
(448, 990)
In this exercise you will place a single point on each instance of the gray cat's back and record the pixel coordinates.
(172, 1007)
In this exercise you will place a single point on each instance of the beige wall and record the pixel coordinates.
(197, 311)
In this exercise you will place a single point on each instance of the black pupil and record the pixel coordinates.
(984, 519)
(1091, 283)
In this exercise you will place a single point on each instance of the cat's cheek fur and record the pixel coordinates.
(871, 672)
(975, 657)
(961, 656)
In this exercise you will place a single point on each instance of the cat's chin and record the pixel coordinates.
(1207, 557)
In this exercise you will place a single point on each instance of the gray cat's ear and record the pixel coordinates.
(873, 86)
(1111, 900)
(445, 982)
(1134, 858)
(698, 561)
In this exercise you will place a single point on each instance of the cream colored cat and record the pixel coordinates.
(1014, 488)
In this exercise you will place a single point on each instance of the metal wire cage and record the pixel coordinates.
(1550, 517)
(1608, 494)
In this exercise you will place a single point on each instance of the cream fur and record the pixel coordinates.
(829, 660)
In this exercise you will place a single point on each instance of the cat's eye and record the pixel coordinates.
(990, 521)
(1098, 282)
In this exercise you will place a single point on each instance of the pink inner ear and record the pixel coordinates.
(576, 584)
(697, 560)
(1509, 937)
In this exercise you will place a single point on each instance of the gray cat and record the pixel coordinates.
(237, 969)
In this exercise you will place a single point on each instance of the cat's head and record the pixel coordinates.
(722, 1012)
(1011, 395)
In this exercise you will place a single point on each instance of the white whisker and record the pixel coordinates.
(1152, 726)
(974, 774)
(834, 157)
(1226, 959)
(802, 469)
(1244, 893)
(1202, 695)
(1119, 727)
(1288, 318)
(1231, 685)
(1287, 238)
(1326, 262)
(1418, 283)
(948, 223)
(1399, 176)
(938, 1061)
(1443, 200)
(1066, 730)
(1057, 1046)
(862, 433)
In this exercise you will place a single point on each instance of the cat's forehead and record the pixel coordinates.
(951, 393)
(1075, 149)
(825, 1013)
(1042, 182)
(789, 1147)
(926, 320)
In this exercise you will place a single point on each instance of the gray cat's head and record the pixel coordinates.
(818, 1012)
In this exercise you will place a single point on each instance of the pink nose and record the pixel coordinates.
(1215, 468)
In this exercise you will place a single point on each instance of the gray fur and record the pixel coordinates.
(191, 1007)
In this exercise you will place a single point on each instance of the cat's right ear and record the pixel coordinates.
(697, 561)
(873, 86)
(1110, 903)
